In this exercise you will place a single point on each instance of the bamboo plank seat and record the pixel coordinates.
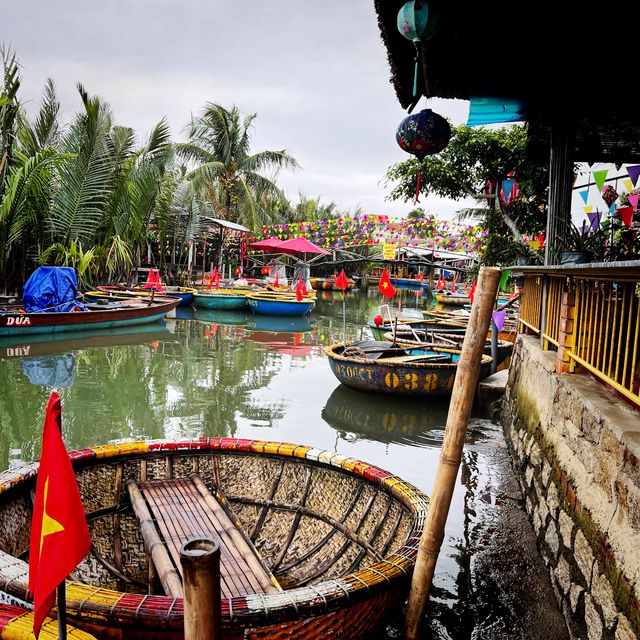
(171, 512)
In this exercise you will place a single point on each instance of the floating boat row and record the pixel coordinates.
(328, 284)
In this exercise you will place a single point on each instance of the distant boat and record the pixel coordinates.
(184, 294)
(228, 299)
(377, 367)
(328, 284)
(453, 299)
(279, 305)
(15, 321)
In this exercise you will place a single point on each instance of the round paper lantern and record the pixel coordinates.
(423, 134)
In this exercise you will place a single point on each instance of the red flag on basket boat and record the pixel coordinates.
(151, 279)
(341, 281)
(157, 284)
(441, 285)
(385, 287)
(472, 293)
(59, 532)
(453, 286)
(301, 290)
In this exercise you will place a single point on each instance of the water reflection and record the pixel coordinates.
(385, 419)
(50, 371)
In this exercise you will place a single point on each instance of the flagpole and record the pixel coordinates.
(344, 318)
(62, 611)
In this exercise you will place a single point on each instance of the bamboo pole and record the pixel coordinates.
(462, 397)
(200, 559)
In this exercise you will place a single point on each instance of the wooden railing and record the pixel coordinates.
(590, 315)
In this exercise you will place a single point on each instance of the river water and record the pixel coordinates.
(212, 373)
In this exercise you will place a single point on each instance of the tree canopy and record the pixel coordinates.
(475, 163)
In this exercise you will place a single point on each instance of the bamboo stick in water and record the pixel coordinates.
(462, 397)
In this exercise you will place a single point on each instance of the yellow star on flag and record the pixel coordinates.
(385, 285)
(49, 525)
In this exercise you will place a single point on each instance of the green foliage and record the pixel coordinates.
(475, 163)
(227, 174)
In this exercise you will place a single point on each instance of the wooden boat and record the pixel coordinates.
(14, 321)
(411, 283)
(377, 367)
(16, 623)
(328, 284)
(453, 299)
(183, 294)
(228, 299)
(279, 305)
(428, 339)
(378, 331)
(314, 544)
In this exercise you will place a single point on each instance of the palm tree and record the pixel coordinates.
(226, 172)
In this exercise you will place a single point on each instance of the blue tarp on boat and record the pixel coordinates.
(51, 371)
(51, 289)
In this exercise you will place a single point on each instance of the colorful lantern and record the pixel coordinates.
(423, 134)
(417, 22)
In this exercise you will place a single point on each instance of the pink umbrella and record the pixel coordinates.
(301, 245)
(270, 244)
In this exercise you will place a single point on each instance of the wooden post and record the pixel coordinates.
(464, 389)
(200, 559)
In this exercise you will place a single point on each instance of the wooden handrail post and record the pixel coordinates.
(200, 559)
(462, 397)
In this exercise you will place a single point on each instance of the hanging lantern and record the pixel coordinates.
(423, 134)
(417, 22)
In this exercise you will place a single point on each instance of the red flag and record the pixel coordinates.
(453, 286)
(420, 276)
(341, 281)
(385, 287)
(157, 283)
(441, 285)
(276, 282)
(151, 279)
(472, 293)
(213, 277)
(299, 289)
(59, 532)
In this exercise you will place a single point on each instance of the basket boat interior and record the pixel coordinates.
(309, 522)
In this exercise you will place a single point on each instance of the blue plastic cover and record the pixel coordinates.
(51, 289)
(483, 110)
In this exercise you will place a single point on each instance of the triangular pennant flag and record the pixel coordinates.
(612, 208)
(628, 185)
(584, 195)
(633, 199)
(599, 177)
(503, 279)
(157, 285)
(594, 219)
(634, 172)
(499, 318)
(626, 213)
(588, 208)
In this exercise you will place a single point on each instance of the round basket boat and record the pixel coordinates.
(337, 536)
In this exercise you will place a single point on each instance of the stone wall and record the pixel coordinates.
(576, 447)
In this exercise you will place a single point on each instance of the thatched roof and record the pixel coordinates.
(564, 62)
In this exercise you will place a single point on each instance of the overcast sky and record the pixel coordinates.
(315, 72)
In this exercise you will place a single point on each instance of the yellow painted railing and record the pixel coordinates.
(592, 318)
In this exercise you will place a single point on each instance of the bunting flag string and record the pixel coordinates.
(584, 195)
(626, 213)
(633, 199)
